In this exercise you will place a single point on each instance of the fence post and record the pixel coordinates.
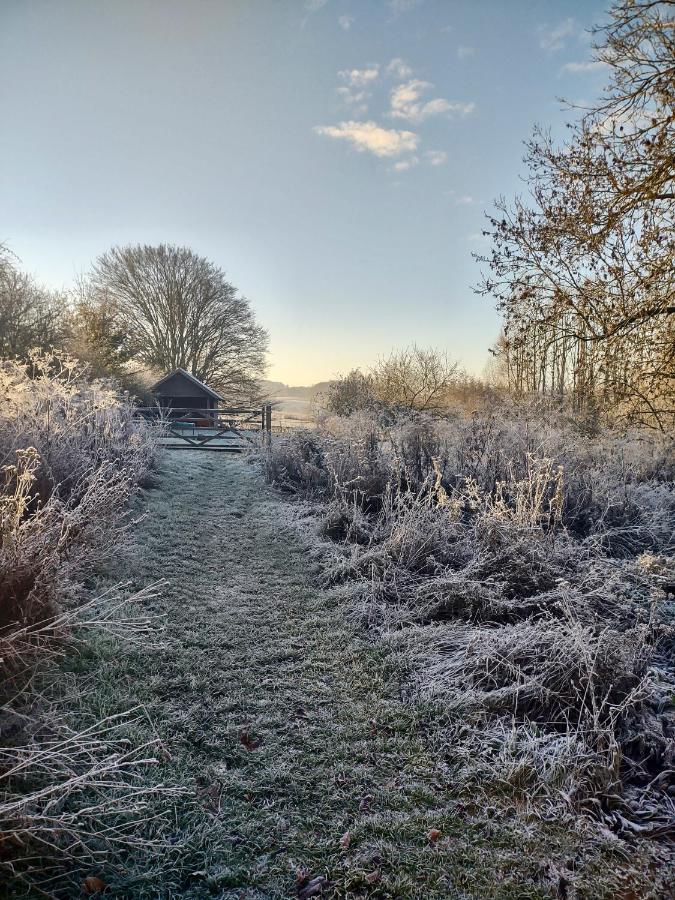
(268, 423)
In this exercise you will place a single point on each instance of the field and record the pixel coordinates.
(373, 677)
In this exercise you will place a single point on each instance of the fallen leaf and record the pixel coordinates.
(365, 802)
(345, 840)
(248, 740)
(373, 877)
(433, 835)
(313, 888)
(93, 885)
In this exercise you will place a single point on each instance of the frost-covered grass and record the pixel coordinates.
(281, 723)
(71, 459)
(522, 572)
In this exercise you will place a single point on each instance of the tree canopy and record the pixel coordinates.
(582, 269)
(167, 307)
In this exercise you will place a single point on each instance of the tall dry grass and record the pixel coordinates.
(71, 457)
(523, 571)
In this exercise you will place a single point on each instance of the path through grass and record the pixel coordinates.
(282, 722)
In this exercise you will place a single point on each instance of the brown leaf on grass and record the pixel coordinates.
(373, 877)
(313, 888)
(433, 835)
(345, 840)
(248, 740)
(93, 885)
(365, 802)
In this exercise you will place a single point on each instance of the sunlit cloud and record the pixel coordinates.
(406, 103)
(353, 93)
(371, 137)
(354, 99)
(346, 22)
(360, 77)
(580, 68)
(554, 37)
(436, 157)
(465, 52)
(399, 68)
(404, 164)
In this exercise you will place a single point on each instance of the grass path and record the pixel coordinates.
(282, 722)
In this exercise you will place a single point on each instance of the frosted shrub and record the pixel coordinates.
(74, 424)
(71, 457)
(520, 568)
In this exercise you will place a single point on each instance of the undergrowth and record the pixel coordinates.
(525, 573)
(71, 457)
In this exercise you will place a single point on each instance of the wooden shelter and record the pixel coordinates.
(180, 390)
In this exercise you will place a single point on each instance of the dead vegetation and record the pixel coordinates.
(72, 457)
(523, 572)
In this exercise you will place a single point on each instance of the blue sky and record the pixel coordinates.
(335, 158)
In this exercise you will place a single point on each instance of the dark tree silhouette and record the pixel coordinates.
(177, 309)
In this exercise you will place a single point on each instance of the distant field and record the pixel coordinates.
(288, 410)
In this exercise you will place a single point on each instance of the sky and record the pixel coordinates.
(335, 157)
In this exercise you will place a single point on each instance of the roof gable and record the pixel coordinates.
(195, 381)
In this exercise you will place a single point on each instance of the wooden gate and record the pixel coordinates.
(226, 429)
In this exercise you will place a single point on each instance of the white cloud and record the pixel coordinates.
(354, 99)
(398, 7)
(465, 52)
(360, 77)
(464, 200)
(404, 164)
(406, 103)
(553, 37)
(436, 157)
(591, 65)
(383, 142)
(346, 22)
(314, 5)
(399, 68)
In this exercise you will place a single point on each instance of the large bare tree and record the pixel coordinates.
(177, 309)
(583, 268)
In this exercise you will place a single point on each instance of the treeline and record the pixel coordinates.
(583, 269)
(139, 312)
(411, 379)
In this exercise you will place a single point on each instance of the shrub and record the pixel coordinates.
(519, 566)
(72, 456)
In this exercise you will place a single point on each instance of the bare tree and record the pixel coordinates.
(174, 309)
(30, 316)
(583, 269)
(415, 378)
